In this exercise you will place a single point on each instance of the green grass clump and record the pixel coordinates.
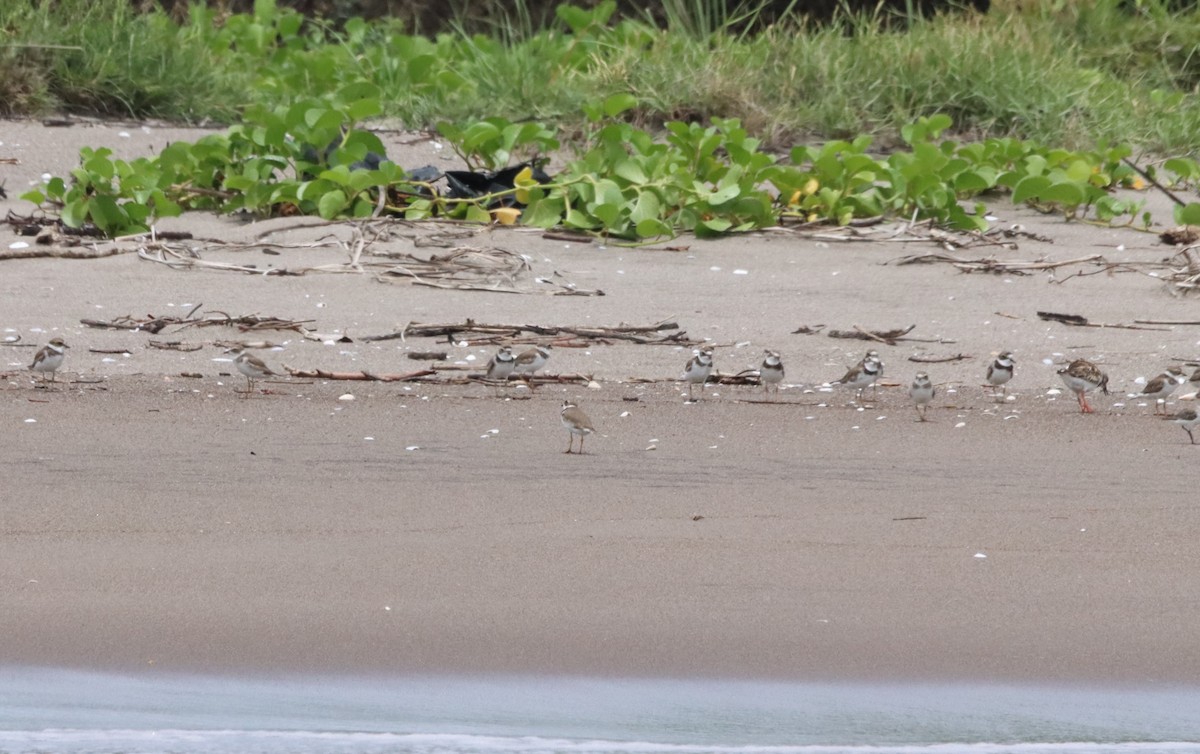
(672, 130)
(1072, 74)
(103, 57)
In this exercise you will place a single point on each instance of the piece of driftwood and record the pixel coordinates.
(939, 359)
(154, 325)
(806, 330)
(174, 345)
(568, 237)
(748, 377)
(645, 334)
(61, 252)
(438, 376)
(322, 374)
(428, 355)
(110, 351)
(1076, 320)
(993, 265)
(1185, 279)
(887, 337)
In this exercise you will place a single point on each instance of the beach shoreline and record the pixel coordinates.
(156, 522)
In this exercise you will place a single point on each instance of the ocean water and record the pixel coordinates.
(67, 712)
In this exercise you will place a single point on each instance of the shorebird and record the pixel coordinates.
(921, 391)
(1081, 376)
(1161, 387)
(697, 370)
(1188, 419)
(500, 367)
(251, 366)
(577, 423)
(529, 362)
(1000, 372)
(771, 371)
(863, 374)
(49, 359)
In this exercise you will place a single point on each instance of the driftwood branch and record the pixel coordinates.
(806, 330)
(1076, 320)
(435, 376)
(60, 252)
(887, 337)
(174, 345)
(322, 374)
(939, 360)
(154, 325)
(993, 265)
(646, 334)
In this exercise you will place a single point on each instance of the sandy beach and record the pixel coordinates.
(155, 520)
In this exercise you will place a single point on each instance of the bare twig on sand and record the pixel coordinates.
(175, 345)
(497, 333)
(1076, 320)
(939, 359)
(322, 374)
(154, 325)
(806, 330)
(436, 376)
(886, 337)
(993, 265)
(464, 268)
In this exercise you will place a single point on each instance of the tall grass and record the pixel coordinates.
(1065, 73)
(100, 56)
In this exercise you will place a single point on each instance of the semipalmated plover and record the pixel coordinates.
(49, 358)
(863, 374)
(921, 391)
(771, 372)
(1161, 387)
(500, 366)
(577, 423)
(251, 366)
(697, 370)
(1000, 372)
(1188, 419)
(529, 362)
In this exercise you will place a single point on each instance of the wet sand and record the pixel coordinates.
(156, 520)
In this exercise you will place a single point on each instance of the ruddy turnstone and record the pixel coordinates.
(771, 372)
(1161, 387)
(250, 365)
(500, 367)
(49, 358)
(1000, 372)
(697, 370)
(577, 423)
(1081, 376)
(863, 374)
(921, 392)
(1188, 419)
